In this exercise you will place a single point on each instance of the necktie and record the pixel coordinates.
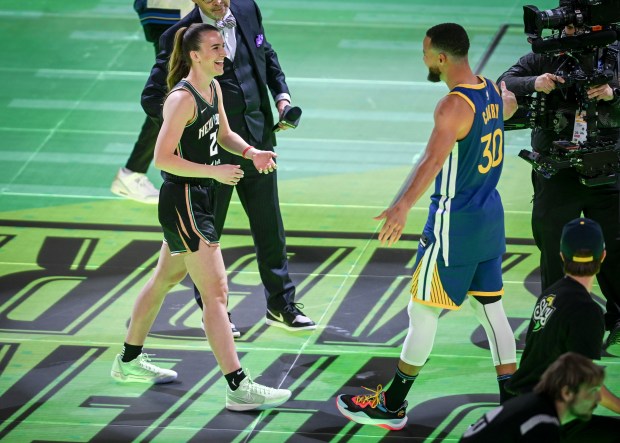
(227, 22)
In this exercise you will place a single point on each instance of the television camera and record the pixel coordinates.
(596, 159)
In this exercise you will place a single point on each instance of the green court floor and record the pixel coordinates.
(73, 256)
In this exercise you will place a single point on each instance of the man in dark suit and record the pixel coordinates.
(251, 71)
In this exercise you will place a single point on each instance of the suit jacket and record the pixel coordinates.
(264, 61)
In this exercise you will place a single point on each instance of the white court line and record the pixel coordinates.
(73, 105)
(385, 7)
(379, 45)
(241, 346)
(415, 84)
(84, 73)
(22, 14)
(357, 22)
(311, 113)
(65, 158)
(70, 131)
(141, 75)
(336, 295)
(283, 139)
(105, 36)
(256, 273)
(282, 204)
(294, 139)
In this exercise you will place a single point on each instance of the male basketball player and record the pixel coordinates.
(462, 244)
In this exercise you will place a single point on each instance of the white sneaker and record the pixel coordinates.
(134, 185)
(251, 395)
(140, 370)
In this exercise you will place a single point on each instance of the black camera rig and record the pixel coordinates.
(596, 160)
(597, 17)
(596, 164)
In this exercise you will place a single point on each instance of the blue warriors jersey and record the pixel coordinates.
(198, 142)
(466, 217)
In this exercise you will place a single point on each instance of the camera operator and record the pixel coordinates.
(562, 197)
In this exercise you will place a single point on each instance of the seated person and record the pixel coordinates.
(569, 389)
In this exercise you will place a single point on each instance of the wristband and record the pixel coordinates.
(246, 150)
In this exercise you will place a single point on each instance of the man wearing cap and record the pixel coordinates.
(566, 318)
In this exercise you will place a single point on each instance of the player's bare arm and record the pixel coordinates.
(609, 400)
(453, 119)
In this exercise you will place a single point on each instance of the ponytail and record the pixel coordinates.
(177, 65)
(185, 41)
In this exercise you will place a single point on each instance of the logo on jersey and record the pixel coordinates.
(423, 241)
(543, 310)
(214, 120)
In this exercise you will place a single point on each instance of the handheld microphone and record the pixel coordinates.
(290, 117)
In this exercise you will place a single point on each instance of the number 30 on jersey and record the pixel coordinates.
(493, 151)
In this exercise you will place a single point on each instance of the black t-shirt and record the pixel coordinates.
(565, 319)
(528, 418)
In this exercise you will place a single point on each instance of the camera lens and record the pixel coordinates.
(556, 18)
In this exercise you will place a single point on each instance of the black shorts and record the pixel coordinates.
(186, 216)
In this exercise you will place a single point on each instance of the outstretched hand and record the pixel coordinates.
(228, 174)
(264, 161)
(395, 220)
(509, 100)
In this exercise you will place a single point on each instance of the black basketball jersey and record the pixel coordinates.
(198, 142)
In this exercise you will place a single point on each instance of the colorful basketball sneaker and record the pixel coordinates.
(371, 410)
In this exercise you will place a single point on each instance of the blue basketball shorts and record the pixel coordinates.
(436, 284)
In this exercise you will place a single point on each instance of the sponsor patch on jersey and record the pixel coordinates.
(542, 312)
